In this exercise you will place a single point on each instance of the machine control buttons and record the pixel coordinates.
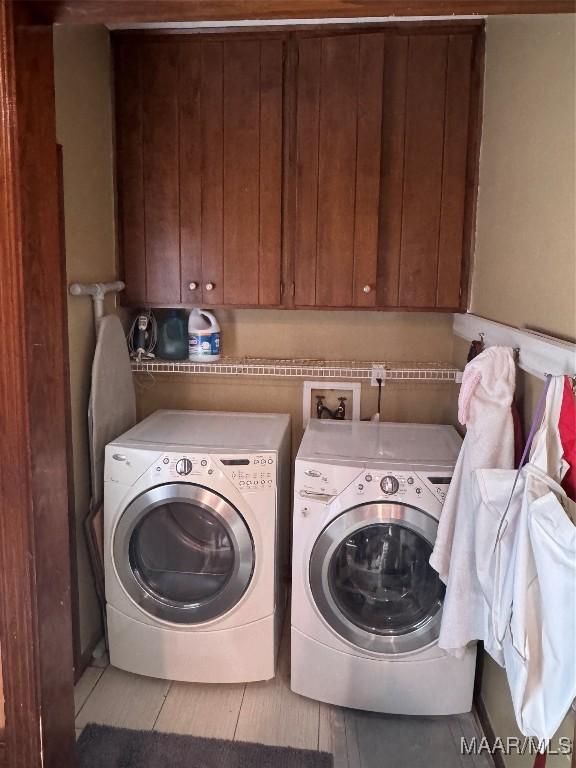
(183, 466)
(312, 473)
(166, 460)
(360, 487)
(410, 481)
(368, 478)
(389, 485)
(204, 463)
(418, 490)
(252, 480)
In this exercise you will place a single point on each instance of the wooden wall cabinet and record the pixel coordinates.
(340, 164)
(199, 169)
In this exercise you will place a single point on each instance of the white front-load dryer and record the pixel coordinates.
(366, 604)
(196, 524)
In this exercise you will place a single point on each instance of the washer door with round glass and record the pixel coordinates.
(183, 553)
(371, 579)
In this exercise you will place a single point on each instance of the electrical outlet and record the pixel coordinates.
(378, 372)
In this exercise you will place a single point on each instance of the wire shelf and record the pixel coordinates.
(317, 369)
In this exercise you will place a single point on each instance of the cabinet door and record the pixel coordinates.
(231, 134)
(338, 138)
(428, 156)
(199, 169)
(383, 157)
(148, 171)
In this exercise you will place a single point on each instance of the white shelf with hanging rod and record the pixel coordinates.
(538, 353)
(437, 372)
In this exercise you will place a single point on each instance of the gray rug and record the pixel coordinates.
(101, 746)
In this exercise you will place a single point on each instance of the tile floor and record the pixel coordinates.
(271, 714)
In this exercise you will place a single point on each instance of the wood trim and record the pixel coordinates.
(288, 177)
(3, 762)
(74, 589)
(448, 310)
(85, 657)
(35, 626)
(481, 714)
(473, 165)
(136, 11)
(163, 35)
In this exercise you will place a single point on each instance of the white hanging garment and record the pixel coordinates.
(490, 497)
(540, 640)
(526, 554)
(485, 407)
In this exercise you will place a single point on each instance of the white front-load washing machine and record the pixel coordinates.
(366, 604)
(196, 524)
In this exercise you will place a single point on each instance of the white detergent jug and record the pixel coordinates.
(203, 337)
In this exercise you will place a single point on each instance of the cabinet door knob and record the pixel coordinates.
(209, 286)
(367, 288)
(192, 286)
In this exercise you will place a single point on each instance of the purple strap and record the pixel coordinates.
(536, 421)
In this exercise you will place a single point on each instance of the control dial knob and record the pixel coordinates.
(389, 484)
(184, 466)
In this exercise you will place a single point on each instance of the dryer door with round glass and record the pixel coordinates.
(371, 579)
(183, 553)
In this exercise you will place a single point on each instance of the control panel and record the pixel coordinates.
(251, 473)
(181, 466)
(247, 472)
(403, 486)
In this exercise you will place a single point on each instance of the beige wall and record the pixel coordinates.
(336, 335)
(525, 265)
(329, 335)
(84, 128)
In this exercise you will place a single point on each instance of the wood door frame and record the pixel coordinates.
(136, 11)
(35, 625)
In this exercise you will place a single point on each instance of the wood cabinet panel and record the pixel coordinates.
(129, 172)
(426, 148)
(337, 171)
(392, 169)
(190, 118)
(212, 170)
(382, 156)
(456, 148)
(368, 159)
(338, 142)
(271, 180)
(241, 101)
(306, 170)
(422, 185)
(161, 172)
